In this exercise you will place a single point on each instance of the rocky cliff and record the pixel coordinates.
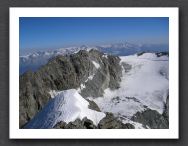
(88, 72)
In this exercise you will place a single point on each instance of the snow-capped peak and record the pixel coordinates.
(33, 61)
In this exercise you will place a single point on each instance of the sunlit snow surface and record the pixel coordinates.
(66, 106)
(144, 85)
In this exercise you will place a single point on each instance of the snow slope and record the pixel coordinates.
(145, 85)
(66, 106)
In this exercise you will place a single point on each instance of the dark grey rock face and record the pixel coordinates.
(60, 125)
(88, 124)
(77, 124)
(108, 75)
(115, 71)
(152, 119)
(111, 122)
(128, 126)
(93, 105)
(127, 67)
(67, 72)
(166, 109)
(141, 53)
(159, 54)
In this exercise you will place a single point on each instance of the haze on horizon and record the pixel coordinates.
(56, 32)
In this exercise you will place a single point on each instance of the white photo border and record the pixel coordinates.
(171, 133)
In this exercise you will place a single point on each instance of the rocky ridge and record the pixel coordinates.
(89, 72)
(109, 122)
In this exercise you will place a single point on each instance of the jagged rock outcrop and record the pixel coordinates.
(93, 105)
(151, 119)
(60, 125)
(92, 70)
(166, 111)
(77, 124)
(127, 67)
(158, 54)
(109, 122)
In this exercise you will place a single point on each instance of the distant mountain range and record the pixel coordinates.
(33, 61)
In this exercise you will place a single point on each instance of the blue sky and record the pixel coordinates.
(57, 32)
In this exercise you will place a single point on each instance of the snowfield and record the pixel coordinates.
(66, 106)
(144, 85)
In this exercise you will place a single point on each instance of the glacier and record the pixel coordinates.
(144, 86)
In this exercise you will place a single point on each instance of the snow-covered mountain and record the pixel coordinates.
(91, 84)
(66, 106)
(144, 85)
(124, 49)
(35, 60)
